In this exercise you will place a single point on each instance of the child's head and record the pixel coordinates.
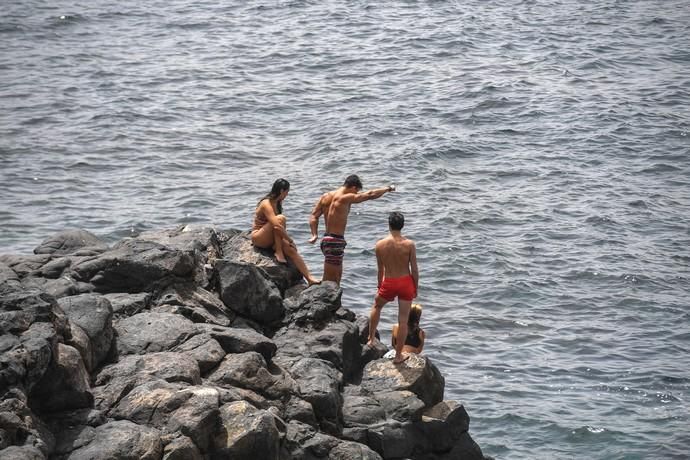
(415, 314)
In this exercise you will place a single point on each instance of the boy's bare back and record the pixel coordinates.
(395, 254)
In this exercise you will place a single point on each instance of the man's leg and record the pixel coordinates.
(330, 272)
(403, 316)
(374, 317)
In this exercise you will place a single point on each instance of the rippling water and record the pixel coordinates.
(540, 149)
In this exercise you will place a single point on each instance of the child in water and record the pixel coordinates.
(414, 342)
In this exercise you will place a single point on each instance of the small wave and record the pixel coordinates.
(660, 168)
(67, 19)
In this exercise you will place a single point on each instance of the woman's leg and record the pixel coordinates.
(270, 236)
(292, 254)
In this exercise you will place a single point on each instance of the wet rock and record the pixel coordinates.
(238, 247)
(245, 290)
(152, 332)
(246, 433)
(93, 314)
(122, 440)
(417, 374)
(65, 385)
(71, 242)
(249, 370)
(240, 340)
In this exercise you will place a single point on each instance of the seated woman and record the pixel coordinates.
(269, 229)
(414, 342)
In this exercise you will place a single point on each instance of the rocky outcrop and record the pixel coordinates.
(192, 344)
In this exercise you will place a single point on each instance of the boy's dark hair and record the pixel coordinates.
(396, 220)
(353, 181)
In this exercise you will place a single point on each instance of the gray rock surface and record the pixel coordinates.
(93, 314)
(152, 332)
(245, 289)
(71, 242)
(236, 340)
(246, 433)
(65, 386)
(120, 439)
(250, 371)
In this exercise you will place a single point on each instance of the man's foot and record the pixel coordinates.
(371, 343)
(400, 359)
(313, 281)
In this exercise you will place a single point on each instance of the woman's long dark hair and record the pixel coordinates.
(278, 187)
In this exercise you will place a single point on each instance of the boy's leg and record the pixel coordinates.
(374, 317)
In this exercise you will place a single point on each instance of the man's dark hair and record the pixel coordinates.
(353, 181)
(396, 220)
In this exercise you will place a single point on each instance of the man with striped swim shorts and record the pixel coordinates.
(396, 258)
(335, 208)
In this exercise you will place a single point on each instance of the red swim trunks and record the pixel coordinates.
(402, 287)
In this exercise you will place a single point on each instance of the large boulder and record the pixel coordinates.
(115, 381)
(319, 383)
(240, 340)
(246, 433)
(417, 374)
(134, 266)
(238, 247)
(249, 370)
(93, 315)
(195, 303)
(122, 440)
(173, 408)
(304, 442)
(245, 289)
(71, 242)
(23, 265)
(20, 427)
(204, 349)
(124, 304)
(336, 342)
(65, 385)
(151, 332)
(315, 305)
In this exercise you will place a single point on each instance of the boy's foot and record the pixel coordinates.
(371, 343)
(400, 359)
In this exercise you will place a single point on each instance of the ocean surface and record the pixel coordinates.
(540, 149)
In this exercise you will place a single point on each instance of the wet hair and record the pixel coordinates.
(279, 187)
(396, 221)
(415, 315)
(353, 181)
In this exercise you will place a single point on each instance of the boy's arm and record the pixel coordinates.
(372, 194)
(414, 270)
(379, 266)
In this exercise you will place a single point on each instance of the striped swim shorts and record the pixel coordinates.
(333, 248)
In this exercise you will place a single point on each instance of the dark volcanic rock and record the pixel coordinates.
(246, 433)
(122, 440)
(245, 290)
(152, 332)
(204, 349)
(237, 340)
(71, 242)
(93, 314)
(249, 370)
(417, 374)
(135, 266)
(124, 304)
(238, 248)
(195, 303)
(65, 385)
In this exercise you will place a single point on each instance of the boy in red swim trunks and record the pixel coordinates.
(396, 257)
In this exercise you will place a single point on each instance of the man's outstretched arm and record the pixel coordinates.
(372, 194)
